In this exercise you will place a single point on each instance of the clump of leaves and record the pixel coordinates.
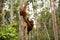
(8, 33)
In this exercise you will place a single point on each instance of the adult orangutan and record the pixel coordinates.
(26, 19)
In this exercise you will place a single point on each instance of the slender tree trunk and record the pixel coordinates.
(3, 15)
(55, 28)
(26, 35)
(1, 8)
(20, 28)
(20, 23)
(37, 31)
(46, 30)
(37, 23)
(11, 11)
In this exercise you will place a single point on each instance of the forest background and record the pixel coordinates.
(45, 13)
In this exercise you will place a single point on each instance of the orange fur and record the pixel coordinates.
(26, 19)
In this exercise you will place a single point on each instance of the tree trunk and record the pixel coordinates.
(46, 30)
(59, 4)
(36, 22)
(37, 30)
(26, 35)
(20, 23)
(11, 12)
(55, 28)
(20, 28)
(3, 15)
(1, 8)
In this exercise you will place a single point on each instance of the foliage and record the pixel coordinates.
(46, 18)
(8, 33)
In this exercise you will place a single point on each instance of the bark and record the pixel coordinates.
(1, 8)
(20, 23)
(20, 28)
(11, 11)
(37, 31)
(36, 19)
(3, 15)
(55, 28)
(26, 35)
(46, 30)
